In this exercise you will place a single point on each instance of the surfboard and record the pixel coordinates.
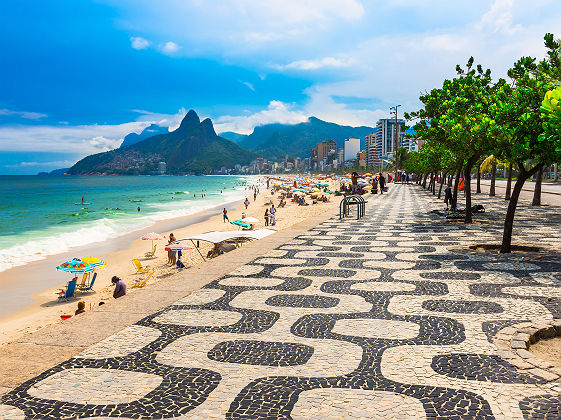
(81, 204)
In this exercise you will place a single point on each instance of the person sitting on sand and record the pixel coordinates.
(214, 252)
(81, 308)
(120, 287)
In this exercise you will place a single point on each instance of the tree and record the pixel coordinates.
(522, 118)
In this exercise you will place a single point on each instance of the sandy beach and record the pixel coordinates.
(33, 310)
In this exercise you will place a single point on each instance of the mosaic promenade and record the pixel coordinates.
(389, 317)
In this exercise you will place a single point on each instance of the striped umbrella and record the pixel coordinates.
(178, 246)
(96, 263)
(75, 266)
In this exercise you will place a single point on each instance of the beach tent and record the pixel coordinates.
(218, 237)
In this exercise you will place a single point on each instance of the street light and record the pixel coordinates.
(393, 110)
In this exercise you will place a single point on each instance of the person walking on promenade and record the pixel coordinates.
(382, 182)
(266, 217)
(225, 215)
(448, 197)
(272, 212)
(374, 186)
(246, 203)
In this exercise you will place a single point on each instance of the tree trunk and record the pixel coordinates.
(537, 200)
(478, 180)
(493, 179)
(425, 181)
(467, 187)
(434, 183)
(442, 184)
(555, 175)
(523, 175)
(509, 182)
(456, 183)
(450, 179)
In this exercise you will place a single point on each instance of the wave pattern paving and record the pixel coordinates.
(377, 318)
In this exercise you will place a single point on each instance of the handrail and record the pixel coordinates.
(344, 206)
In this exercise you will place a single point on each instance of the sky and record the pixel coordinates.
(77, 76)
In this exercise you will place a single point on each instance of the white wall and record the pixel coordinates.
(352, 147)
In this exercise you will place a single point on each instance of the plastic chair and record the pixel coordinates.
(142, 283)
(69, 292)
(90, 287)
(151, 254)
(139, 268)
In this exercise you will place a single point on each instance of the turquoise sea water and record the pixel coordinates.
(39, 217)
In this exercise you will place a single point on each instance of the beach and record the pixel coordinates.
(32, 288)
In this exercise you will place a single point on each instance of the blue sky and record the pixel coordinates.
(79, 75)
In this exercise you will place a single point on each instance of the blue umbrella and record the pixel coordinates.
(75, 266)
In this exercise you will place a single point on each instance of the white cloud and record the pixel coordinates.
(170, 47)
(23, 114)
(53, 164)
(164, 120)
(82, 140)
(249, 85)
(321, 63)
(139, 43)
(499, 17)
(276, 112)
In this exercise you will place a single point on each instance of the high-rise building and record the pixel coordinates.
(325, 147)
(352, 147)
(370, 149)
(361, 157)
(162, 168)
(385, 138)
(341, 158)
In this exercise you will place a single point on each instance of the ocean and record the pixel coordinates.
(43, 215)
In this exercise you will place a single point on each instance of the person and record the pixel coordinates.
(354, 182)
(138, 209)
(407, 179)
(374, 186)
(382, 182)
(246, 203)
(272, 213)
(171, 254)
(81, 308)
(225, 215)
(254, 195)
(448, 197)
(120, 287)
(214, 252)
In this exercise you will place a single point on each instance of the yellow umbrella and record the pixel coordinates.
(96, 263)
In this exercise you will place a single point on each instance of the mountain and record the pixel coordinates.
(235, 137)
(61, 171)
(149, 131)
(193, 148)
(277, 140)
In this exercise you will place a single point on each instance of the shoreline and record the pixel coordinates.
(28, 297)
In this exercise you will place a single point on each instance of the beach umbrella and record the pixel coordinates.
(250, 220)
(96, 263)
(178, 246)
(75, 266)
(152, 236)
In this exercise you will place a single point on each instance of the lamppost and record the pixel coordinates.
(393, 110)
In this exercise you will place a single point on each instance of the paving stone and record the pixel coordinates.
(348, 320)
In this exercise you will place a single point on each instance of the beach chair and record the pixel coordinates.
(150, 254)
(69, 292)
(142, 283)
(83, 284)
(90, 287)
(139, 268)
